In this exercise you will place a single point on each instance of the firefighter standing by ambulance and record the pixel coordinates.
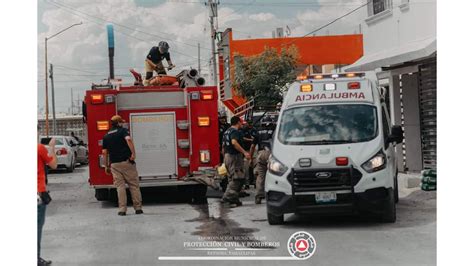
(251, 140)
(261, 167)
(234, 161)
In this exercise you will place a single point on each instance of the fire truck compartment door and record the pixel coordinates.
(154, 136)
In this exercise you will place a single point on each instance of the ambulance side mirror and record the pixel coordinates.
(397, 134)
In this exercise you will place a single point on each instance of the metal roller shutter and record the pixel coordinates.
(427, 90)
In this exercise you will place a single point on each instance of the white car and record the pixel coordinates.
(64, 152)
(333, 151)
(80, 150)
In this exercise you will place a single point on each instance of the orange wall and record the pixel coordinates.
(318, 50)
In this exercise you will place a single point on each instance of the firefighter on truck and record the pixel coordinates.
(153, 61)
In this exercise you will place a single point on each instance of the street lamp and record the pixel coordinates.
(46, 79)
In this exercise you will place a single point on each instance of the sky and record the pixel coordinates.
(80, 57)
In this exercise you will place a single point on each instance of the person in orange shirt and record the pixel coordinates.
(49, 159)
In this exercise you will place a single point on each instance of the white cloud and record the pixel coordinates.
(261, 17)
(182, 25)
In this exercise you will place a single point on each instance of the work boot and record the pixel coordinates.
(139, 212)
(122, 213)
(42, 262)
(243, 194)
(231, 203)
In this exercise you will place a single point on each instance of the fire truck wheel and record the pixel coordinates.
(102, 194)
(199, 194)
(113, 195)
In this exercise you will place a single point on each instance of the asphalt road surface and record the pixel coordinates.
(82, 231)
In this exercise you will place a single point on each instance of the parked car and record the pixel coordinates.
(65, 153)
(80, 150)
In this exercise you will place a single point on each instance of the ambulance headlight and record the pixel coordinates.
(276, 167)
(376, 163)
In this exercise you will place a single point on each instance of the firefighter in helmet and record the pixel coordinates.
(153, 61)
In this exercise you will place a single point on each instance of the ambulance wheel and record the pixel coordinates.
(275, 219)
(199, 194)
(396, 187)
(389, 214)
(102, 194)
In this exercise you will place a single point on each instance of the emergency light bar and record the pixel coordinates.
(353, 85)
(206, 95)
(204, 121)
(102, 125)
(306, 88)
(97, 98)
(330, 87)
(332, 76)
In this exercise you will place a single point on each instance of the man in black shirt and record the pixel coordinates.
(154, 60)
(223, 126)
(234, 161)
(118, 146)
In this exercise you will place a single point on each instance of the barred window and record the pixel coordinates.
(378, 6)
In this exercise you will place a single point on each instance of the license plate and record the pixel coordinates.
(326, 197)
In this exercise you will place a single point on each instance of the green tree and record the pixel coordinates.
(265, 77)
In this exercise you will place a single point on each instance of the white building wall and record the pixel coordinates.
(406, 22)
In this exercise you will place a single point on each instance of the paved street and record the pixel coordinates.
(82, 231)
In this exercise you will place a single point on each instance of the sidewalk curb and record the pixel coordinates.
(410, 180)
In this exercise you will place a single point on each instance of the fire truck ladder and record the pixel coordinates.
(245, 109)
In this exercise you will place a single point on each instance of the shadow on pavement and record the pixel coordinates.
(418, 208)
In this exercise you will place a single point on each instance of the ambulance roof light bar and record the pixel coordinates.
(332, 76)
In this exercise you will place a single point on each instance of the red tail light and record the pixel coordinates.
(341, 161)
(353, 85)
(61, 151)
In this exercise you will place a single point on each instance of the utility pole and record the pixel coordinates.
(79, 111)
(213, 14)
(46, 105)
(199, 58)
(72, 103)
(46, 73)
(52, 98)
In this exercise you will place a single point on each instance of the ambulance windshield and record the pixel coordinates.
(328, 124)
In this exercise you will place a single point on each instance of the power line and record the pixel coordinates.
(72, 11)
(129, 28)
(240, 9)
(331, 22)
(337, 19)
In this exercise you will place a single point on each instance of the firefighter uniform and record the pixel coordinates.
(261, 169)
(234, 162)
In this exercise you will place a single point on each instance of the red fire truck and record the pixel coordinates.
(174, 129)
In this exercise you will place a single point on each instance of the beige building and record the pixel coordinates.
(65, 124)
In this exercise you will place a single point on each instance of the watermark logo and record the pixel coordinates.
(301, 245)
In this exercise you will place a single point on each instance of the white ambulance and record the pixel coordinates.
(333, 150)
